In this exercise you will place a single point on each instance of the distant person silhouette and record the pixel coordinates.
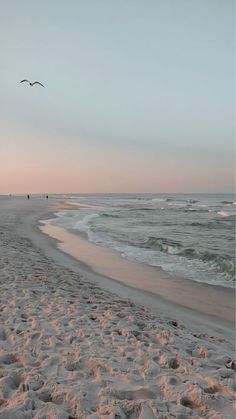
(46, 196)
(28, 197)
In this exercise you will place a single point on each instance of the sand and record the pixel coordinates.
(70, 348)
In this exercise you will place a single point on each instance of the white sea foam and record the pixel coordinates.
(158, 200)
(83, 225)
(223, 214)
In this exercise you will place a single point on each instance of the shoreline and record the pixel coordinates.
(185, 293)
(76, 344)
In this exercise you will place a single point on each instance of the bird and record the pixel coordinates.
(32, 84)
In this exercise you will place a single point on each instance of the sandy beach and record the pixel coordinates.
(75, 343)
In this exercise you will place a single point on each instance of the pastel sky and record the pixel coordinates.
(139, 96)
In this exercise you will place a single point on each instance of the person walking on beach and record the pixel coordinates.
(28, 197)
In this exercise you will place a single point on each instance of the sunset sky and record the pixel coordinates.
(139, 96)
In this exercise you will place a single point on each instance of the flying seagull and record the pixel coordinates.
(32, 84)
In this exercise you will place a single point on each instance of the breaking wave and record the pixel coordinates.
(222, 263)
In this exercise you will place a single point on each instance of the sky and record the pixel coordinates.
(138, 97)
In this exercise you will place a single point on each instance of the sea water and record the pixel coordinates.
(191, 235)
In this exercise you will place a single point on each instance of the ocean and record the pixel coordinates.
(191, 235)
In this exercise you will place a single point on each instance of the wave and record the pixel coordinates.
(162, 244)
(212, 225)
(158, 200)
(221, 263)
(142, 209)
(224, 214)
(228, 202)
(83, 225)
(189, 201)
(191, 209)
(105, 214)
(126, 210)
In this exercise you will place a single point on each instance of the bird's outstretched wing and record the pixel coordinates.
(37, 82)
(24, 80)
